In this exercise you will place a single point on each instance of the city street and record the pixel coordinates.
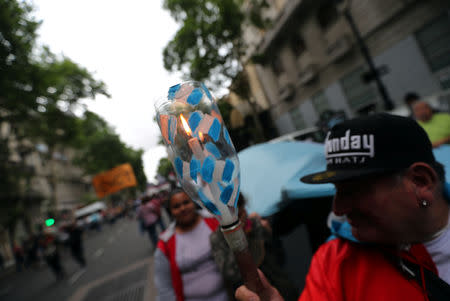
(120, 268)
(119, 260)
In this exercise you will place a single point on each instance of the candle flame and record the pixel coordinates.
(200, 135)
(187, 129)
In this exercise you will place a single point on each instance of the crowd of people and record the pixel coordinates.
(392, 232)
(435, 123)
(47, 244)
(51, 245)
(389, 225)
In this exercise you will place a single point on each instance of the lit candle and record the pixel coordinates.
(193, 142)
(197, 150)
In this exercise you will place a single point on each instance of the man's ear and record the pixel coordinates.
(425, 180)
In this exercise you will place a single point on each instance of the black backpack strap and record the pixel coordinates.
(436, 288)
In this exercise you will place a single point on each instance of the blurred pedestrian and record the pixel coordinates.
(149, 215)
(409, 99)
(394, 244)
(18, 256)
(31, 251)
(76, 243)
(261, 246)
(184, 266)
(159, 204)
(436, 125)
(96, 221)
(2, 261)
(50, 249)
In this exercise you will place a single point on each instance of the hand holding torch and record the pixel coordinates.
(207, 165)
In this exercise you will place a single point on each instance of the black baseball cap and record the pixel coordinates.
(374, 144)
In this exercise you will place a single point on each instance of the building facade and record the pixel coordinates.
(50, 176)
(68, 185)
(311, 60)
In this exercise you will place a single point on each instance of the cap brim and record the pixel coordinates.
(333, 176)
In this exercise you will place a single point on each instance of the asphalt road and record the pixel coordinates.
(119, 268)
(119, 262)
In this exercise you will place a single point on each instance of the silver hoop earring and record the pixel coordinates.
(424, 204)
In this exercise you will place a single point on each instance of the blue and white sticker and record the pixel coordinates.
(172, 91)
(195, 97)
(208, 169)
(179, 167)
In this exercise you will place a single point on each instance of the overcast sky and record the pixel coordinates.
(121, 43)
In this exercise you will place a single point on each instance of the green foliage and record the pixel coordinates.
(241, 85)
(88, 198)
(164, 167)
(255, 13)
(208, 43)
(65, 81)
(101, 149)
(17, 38)
(225, 110)
(8, 181)
(38, 91)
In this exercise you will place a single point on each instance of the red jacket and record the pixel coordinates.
(342, 270)
(168, 247)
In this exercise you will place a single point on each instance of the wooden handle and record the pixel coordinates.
(237, 241)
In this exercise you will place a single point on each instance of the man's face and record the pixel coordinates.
(422, 111)
(380, 209)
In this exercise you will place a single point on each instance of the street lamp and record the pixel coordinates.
(344, 7)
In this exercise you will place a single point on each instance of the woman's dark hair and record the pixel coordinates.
(180, 190)
(145, 199)
(411, 97)
(174, 192)
(242, 201)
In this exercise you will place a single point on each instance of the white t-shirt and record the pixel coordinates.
(439, 249)
(200, 275)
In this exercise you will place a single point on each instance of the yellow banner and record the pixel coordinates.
(113, 180)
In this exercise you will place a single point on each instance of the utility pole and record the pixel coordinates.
(388, 104)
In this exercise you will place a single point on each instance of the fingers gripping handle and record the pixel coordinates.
(237, 242)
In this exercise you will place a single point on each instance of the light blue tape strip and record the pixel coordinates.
(236, 199)
(212, 148)
(226, 194)
(172, 91)
(172, 127)
(207, 91)
(214, 130)
(208, 169)
(227, 170)
(447, 191)
(208, 204)
(179, 167)
(194, 120)
(226, 135)
(195, 97)
(194, 168)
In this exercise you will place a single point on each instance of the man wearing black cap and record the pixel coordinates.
(392, 192)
